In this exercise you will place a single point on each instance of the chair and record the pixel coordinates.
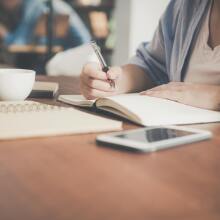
(34, 55)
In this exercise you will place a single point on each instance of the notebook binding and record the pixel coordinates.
(33, 107)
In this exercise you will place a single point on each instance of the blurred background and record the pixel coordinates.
(50, 35)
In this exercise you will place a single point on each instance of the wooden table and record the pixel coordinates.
(70, 178)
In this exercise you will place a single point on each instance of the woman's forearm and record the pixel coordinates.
(218, 100)
(134, 79)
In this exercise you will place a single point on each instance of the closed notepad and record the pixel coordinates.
(33, 119)
(44, 90)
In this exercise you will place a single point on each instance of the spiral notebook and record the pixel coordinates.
(32, 119)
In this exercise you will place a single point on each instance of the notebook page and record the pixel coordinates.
(155, 111)
(43, 120)
(77, 100)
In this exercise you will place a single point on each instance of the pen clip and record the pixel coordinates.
(97, 50)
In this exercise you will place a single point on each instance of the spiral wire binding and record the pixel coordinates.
(27, 107)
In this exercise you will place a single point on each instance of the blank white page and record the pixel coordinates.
(156, 111)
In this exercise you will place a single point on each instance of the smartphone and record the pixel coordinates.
(152, 139)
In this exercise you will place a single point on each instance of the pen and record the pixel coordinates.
(101, 59)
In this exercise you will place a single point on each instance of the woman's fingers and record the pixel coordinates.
(91, 93)
(173, 86)
(171, 91)
(166, 94)
(98, 84)
(93, 70)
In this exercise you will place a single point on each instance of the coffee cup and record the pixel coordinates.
(16, 84)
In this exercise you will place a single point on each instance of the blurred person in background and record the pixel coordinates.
(18, 19)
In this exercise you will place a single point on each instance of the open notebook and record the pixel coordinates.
(145, 110)
(33, 119)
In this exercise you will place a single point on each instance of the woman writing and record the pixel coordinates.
(181, 63)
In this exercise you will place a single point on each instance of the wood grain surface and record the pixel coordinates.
(71, 178)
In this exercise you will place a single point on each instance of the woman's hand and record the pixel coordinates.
(94, 82)
(197, 95)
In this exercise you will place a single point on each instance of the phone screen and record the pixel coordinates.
(154, 135)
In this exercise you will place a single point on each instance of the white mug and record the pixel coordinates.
(16, 84)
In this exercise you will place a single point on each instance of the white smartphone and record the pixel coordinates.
(153, 138)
